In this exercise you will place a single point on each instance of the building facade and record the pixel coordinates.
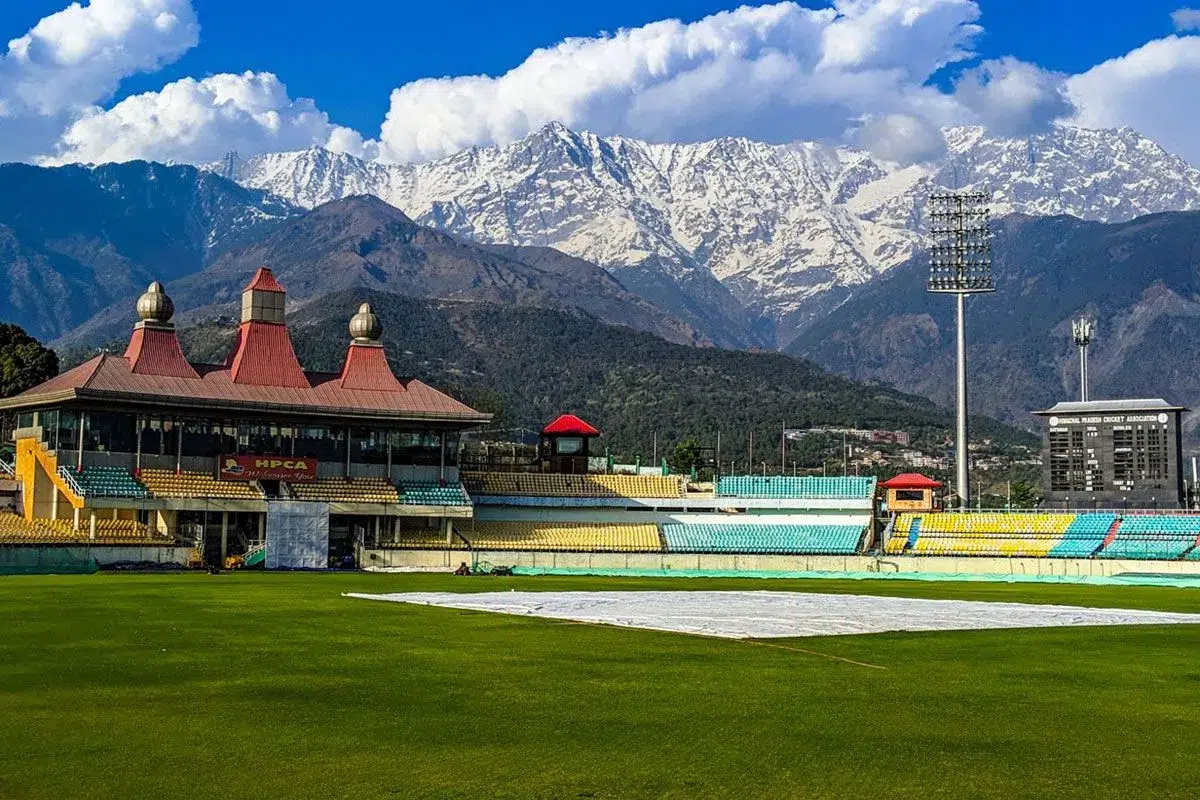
(1113, 454)
(148, 447)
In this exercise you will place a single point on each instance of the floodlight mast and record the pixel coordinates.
(960, 263)
(1081, 331)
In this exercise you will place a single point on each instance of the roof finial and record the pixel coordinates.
(365, 326)
(155, 305)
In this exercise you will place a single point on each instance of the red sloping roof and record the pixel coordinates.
(367, 367)
(156, 351)
(109, 377)
(911, 480)
(263, 355)
(569, 425)
(264, 281)
(74, 378)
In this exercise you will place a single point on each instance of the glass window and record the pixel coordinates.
(321, 443)
(421, 448)
(110, 432)
(568, 445)
(368, 446)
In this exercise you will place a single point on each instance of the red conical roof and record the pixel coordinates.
(569, 425)
(264, 281)
(367, 368)
(911, 480)
(156, 351)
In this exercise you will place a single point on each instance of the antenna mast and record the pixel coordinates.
(1081, 331)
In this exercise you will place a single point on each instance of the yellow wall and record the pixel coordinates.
(924, 504)
(44, 494)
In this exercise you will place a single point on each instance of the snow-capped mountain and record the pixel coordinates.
(788, 229)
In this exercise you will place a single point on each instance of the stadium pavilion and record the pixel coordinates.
(146, 448)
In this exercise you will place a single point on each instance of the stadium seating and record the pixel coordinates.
(1154, 536)
(559, 536)
(423, 539)
(18, 530)
(428, 493)
(1084, 535)
(789, 487)
(107, 482)
(166, 483)
(346, 490)
(902, 530)
(1017, 534)
(554, 485)
(763, 538)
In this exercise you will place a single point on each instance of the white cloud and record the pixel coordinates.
(79, 55)
(1152, 89)
(197, 121)
(1013, 98)
(902, 138)
(773, 72)
(1186, 19)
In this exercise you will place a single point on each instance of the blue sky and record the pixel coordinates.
(347, 59)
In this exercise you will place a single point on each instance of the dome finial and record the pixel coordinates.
(155, 305)
(365, 327)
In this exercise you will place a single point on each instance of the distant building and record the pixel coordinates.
(877, 436)
(1113, 454)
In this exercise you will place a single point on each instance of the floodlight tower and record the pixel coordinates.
(960, 263)
(1081, 330)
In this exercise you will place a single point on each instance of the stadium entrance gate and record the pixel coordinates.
(297, 535)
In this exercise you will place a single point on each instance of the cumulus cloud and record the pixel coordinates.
(1152, 89)
(1186, 19)
(196, 121)
(902, 138)
(1012, 97)
(774, 72)
(79, 55)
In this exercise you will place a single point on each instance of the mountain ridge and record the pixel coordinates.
(785, 231)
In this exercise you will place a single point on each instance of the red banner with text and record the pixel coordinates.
(266, 468)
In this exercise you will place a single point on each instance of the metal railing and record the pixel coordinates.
(6, 469)
(68, 476)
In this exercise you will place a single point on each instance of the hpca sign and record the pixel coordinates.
(266, 468)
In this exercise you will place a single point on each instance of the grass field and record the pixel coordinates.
(258, 685)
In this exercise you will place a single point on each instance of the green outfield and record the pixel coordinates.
(259, 685)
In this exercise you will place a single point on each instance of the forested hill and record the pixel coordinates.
(527, 365)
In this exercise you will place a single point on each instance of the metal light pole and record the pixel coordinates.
(960, 263)
(1081, 331)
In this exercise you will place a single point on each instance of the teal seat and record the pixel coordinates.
(785, 487)
(763, 539)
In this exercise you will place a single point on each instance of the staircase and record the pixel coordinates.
(914, 531)
(1112, 533)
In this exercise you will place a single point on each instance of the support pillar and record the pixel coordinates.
(82, 424)
(179, 449)
(962, 484)
(92, 525)
(224, 537)
(442, 457)
(75, 519)
(262, 527)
